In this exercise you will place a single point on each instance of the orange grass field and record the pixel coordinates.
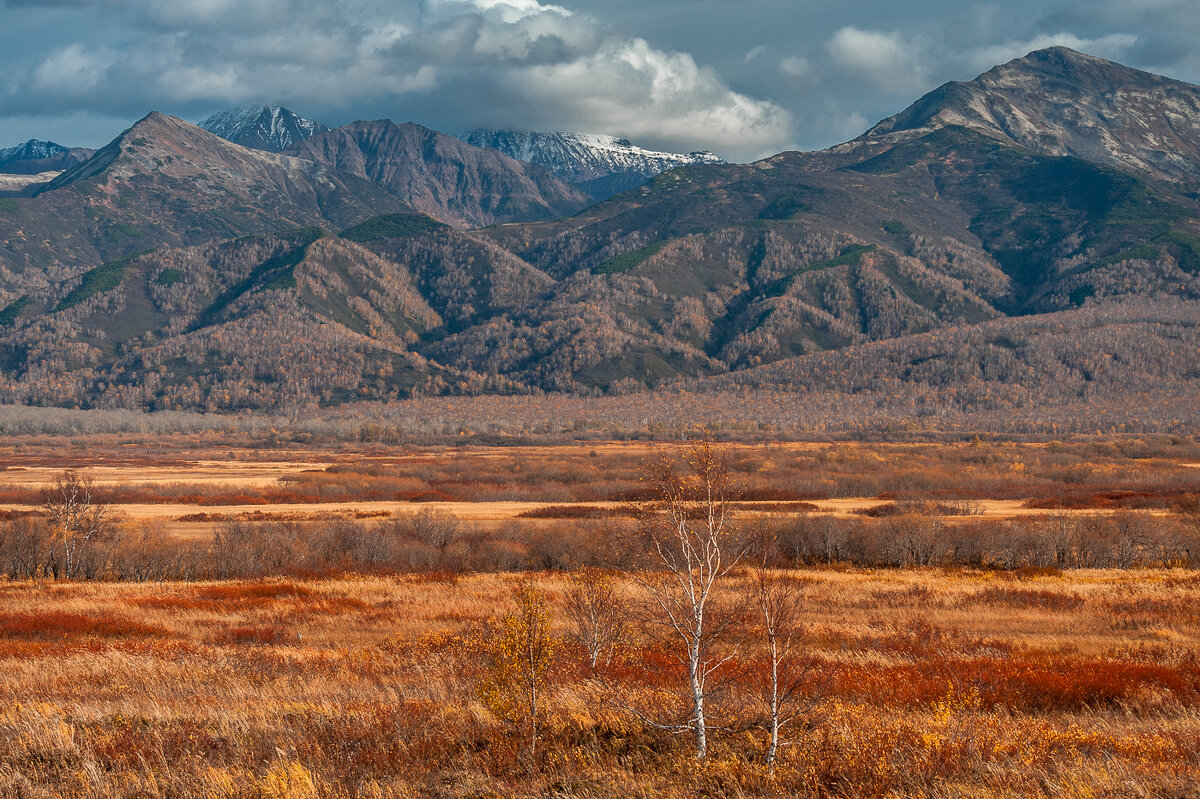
(192, 483)
(355, 646)
(938, 683)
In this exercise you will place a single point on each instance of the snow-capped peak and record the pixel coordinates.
(263, 127)
(31, 150)
(582, 157)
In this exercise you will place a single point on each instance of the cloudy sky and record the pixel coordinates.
(743, 78)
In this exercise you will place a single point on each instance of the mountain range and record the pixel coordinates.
(597, 164)
(1031, 234)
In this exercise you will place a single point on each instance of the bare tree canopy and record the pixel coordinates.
(693, 542)
(77, 519)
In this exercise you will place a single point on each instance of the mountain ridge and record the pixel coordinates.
(262, 127)
(36, 156)
(164, 181)
(599, 164)
(1061, 102)
(441, 176)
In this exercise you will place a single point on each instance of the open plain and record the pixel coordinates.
(267, 616)
(190, 484)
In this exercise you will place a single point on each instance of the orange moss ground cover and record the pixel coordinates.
(940, 683)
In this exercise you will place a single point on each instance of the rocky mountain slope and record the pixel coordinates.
(600, 165)
(1060, 102)
(262, 127)
(167, 182)
(441, 176)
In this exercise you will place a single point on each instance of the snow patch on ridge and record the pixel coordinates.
(580, 157)
(263, 127)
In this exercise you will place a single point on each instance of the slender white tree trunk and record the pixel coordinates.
(774, 745)
(695, 667)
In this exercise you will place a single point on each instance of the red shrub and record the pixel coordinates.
(55, 625)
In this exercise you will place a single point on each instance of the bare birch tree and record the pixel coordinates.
(595, 610)
(76, 519)
(693, 544)
(786, 675)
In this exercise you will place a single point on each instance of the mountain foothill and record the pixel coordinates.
(1026, 236)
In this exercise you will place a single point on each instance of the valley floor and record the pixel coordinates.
(189, 485)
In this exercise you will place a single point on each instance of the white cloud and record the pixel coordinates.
(887, 61)
(754, 52)
(635, 90)
(470, 62)
(850, 126)
(204, 83)
(508, 10)
(795, 66)
(73, 69)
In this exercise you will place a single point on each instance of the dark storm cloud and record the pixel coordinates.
(741, 77)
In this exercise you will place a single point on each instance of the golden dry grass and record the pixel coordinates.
(232, 474)
(947, 683)
(176, 480)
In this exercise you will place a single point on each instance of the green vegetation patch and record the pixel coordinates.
(1140, 207)
(930, 146)
(1142, 252)
(169, 277)
(849, 257)
(1072, 183)
(391, 226)
(795, 201)
(105, 277)
(277, 272)
(1183, 247)
(274, 273)
(1079, 296)
(285, 279)
(304, 235)
(8, 205)
(218, 220)
(626, 262)
(895, 227)
(1186, 249)
(120, 231)
(9, 315)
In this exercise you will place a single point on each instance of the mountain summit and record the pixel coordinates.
(262, 127)
(600, 165)
(35, 156)
(165, 181)
(1061, 102)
